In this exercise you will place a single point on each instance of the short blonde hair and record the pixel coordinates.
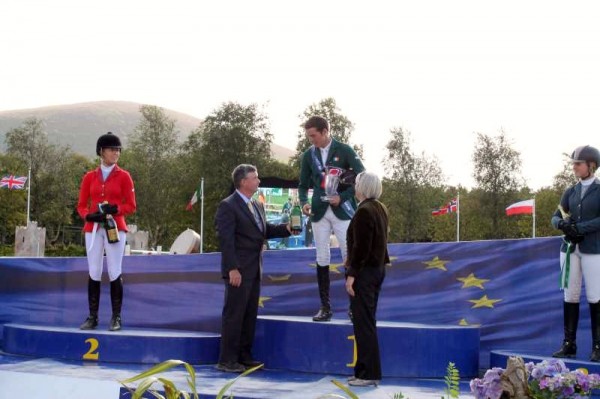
(368, 185)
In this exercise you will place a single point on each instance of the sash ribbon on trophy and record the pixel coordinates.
(330, 178)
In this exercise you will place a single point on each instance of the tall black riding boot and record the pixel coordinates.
(571, 319)
(116, 299)
(324, 313)
(94, 303)
(595, 317)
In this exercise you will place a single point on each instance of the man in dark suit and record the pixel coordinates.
(242, 229)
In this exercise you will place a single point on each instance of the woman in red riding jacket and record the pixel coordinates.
(106, 192)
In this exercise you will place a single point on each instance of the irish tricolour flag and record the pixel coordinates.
(521, 208)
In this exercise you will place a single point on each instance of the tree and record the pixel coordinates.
(497, 168)
(230, 135)
(340, 127)
(158, 178)
(55, 175)
(413, 188)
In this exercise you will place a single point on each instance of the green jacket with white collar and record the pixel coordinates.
(311, 175)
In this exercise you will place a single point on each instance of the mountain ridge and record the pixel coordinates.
(79, 125)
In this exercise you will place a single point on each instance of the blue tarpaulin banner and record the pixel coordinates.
(510, 288)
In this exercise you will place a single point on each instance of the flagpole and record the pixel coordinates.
(458, 217)
(533, 216)
(202, 215)
(28, 192)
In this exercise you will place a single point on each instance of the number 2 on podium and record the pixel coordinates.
(91, 354)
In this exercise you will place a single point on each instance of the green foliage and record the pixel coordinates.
(230, 135)
(496, 170)
(344, 388)
(148, 379)
(452, 380)
(7, 250)
(159, 177)
(413, 189)
(65, 250)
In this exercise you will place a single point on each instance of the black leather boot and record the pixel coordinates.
(94, 303)
(595, 316)
(571, 319)
(116, 299)
(324, 313)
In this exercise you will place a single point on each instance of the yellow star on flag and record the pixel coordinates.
(484, 302)
(285, 277)
(472, 281)
(436, 263)
(262, 300)
(464, 322)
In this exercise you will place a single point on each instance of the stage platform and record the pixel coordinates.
(300, 356)
(24, 377)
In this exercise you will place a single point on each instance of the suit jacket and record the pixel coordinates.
(340, 156)
(367, 237)
(585, 212)
(240, 239)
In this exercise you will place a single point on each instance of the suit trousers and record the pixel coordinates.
(239, 320)
(367, 285)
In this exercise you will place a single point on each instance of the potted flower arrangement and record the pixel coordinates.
(549, 379)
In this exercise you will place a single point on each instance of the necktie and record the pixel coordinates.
(255, 214)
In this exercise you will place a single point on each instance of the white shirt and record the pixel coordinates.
(325, 151)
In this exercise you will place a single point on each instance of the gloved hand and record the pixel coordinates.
(95, 217)
(570, 229)
(109, 209)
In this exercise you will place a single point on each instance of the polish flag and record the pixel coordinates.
(521, 208)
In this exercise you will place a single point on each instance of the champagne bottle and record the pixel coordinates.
(296, 219)
(112, 233)
(110, 226)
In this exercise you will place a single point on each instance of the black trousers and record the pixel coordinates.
(239, 320)
(367, 286)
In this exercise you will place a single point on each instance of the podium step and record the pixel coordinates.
(407, 349)
(498, 358)
(125, 346)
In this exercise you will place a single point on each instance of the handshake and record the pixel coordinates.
(100, 216)
(569, 228)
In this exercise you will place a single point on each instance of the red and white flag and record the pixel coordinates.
(13, 182)
(452, 206)
(521, 208)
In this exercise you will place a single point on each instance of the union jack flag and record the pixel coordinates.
(13, 182)
(452, 206)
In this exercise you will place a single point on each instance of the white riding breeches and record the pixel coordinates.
(100, 246)
(584, 267)
(322, 232)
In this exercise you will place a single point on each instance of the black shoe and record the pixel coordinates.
(231, 367)
(567, 350)
(250, 363)
(90, 323)
(323, 315)
(115, 323)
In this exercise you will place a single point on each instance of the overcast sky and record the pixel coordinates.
(442, 70)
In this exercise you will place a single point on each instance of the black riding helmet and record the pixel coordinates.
(107, 140)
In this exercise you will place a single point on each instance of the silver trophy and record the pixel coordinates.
(332, 180)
